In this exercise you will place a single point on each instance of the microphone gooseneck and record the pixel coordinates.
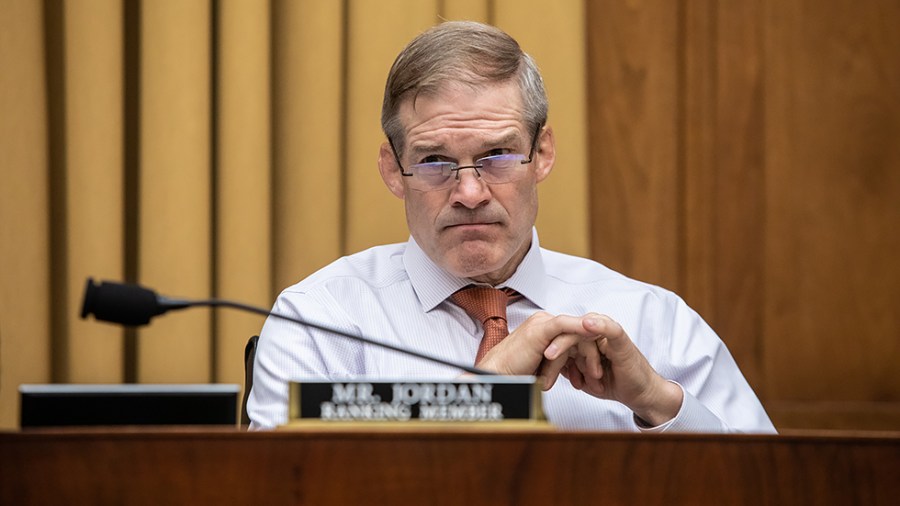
(134, 305)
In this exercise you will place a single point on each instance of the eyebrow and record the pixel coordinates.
(505, 140)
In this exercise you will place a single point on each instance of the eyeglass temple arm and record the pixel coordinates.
(397, 157)
(534, 140)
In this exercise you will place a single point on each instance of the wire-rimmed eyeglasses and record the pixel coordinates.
(441, 175)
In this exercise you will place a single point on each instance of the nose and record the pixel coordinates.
(470, 190)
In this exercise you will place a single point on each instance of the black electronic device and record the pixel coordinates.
(65, 405)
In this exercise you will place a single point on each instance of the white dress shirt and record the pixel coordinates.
(396, 294)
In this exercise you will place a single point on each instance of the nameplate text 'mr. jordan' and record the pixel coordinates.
(493, 399)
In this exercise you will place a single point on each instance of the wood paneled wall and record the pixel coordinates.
(215, 148)
(747, 156)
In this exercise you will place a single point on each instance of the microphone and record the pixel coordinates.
(125, 304)
(135, 305)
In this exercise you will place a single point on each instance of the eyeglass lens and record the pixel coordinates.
(492, 169)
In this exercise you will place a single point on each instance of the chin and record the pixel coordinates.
(471, 264)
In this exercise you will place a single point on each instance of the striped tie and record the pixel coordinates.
(488, 306)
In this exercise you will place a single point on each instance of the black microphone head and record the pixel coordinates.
(120, 303)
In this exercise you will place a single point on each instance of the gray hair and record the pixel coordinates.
(461, 53)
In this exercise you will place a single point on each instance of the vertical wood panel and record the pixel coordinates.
(471, 10)
(243, 178)
(94, 183)
(739, 190)
(633, 96)
(723, 174)
(24, 222)
(174, 207)
(378, 32)
(553, 34)
(54, 28)
(833, 201)
(307, 110)
(698, 138)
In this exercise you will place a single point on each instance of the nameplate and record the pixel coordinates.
(480, 399)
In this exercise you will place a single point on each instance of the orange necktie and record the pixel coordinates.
(488, 306)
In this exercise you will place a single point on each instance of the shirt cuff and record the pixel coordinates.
(692, 417)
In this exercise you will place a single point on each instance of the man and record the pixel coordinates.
(464, 113)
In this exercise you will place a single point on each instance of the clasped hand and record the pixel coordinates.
(595, 354)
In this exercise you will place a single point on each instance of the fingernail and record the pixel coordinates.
(592, 321)
(552, 351)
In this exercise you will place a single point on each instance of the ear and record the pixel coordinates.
(390, 171)
(545, 154)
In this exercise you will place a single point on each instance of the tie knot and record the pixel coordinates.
(483, 302)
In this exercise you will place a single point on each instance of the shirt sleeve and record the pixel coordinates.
(717, 397)
(288, 351)
(692, 417)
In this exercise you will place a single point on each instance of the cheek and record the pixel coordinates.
(421, 210)
(520, 202)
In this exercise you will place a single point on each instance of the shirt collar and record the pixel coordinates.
(433, 284)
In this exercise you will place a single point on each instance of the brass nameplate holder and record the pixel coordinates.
(483, 399)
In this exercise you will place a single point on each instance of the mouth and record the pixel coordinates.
(471, 226)
(480, 231)
(474, 221)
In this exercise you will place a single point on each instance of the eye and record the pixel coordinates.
(432, 159)
(498, 152)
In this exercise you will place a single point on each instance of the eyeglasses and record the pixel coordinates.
(432, 176)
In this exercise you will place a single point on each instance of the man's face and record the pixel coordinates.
(472, 229)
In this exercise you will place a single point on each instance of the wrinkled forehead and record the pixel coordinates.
(461, 101)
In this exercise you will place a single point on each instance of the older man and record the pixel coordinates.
(465, 114)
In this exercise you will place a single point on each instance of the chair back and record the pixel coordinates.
(249, 360)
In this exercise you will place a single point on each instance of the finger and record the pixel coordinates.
(589, 359)
(567, 344)
(617, 343)
(564, 325)
(522, 351)
(574, 375)
(550, 370)
(595, 386)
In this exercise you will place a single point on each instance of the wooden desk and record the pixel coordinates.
(194, 466)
